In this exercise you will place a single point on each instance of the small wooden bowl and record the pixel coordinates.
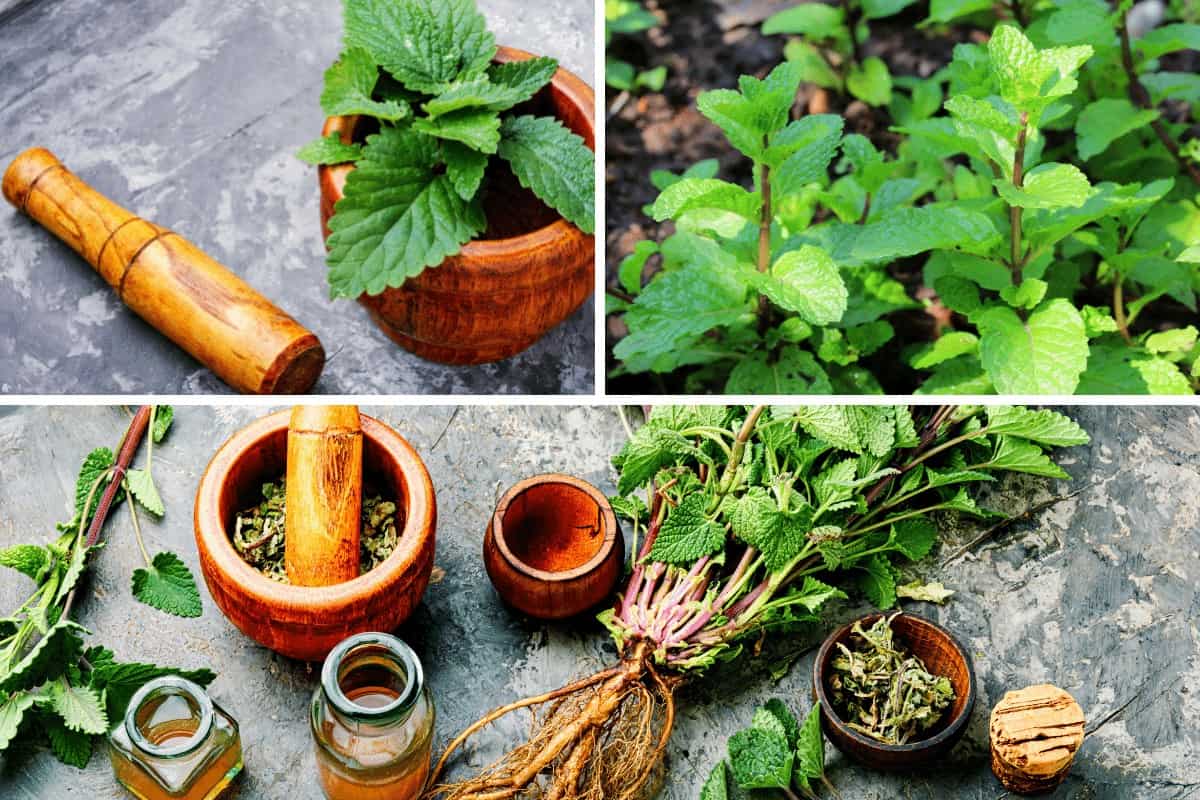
(502, 293)
(529, 522)
(306, 622)
(943, 655)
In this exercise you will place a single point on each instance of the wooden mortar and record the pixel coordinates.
(1035, 734)
(306, 622)
(500, 294)
(323, 510)
(183, 293)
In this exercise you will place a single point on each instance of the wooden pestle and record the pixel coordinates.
(187, 296)
(324, 495)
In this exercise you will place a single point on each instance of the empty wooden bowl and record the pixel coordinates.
(527, 273)
(553, 548)
(942, 654)
(306, 622)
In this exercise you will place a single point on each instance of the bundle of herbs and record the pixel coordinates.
(52, 689)
(259, 535)
(422, 71)
(752, 519)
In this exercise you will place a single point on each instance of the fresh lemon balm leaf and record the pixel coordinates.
(397, 217)
(554, 164)
(329, 150)
(466, 168)
(168, 585)
(425, 44)
(528, 76)
(80, 708)
(141, 485)
(477, 128)
(687, 533)
(349, 85)
(163, 417)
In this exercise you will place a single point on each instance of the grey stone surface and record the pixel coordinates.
(1098, 594)
(189, 113)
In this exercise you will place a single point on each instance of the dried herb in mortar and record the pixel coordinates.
(882, 691)
(259, 535)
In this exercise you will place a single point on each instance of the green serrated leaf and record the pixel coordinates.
(1043, 354)
(1104, 121)
(73, 748)
(791, 371)
(651, 448)
(830, 424)
(629, 274)
(687, 533)
(120, 681)
(810, 747)
(813, 593)
(814, 20)
(1176, 340)
(807, 281)
(476, 91)
(870, 82)
(163, 417)
(349, 86)
(1118, 369)
(1028, 295)
(715, 787)
(527, 76)
(878, 581)
(94, 466)
(168, 585)
(554, 164)
(477, 128)
(914, 537)
(397, 217)
(779, 535)
(690, 194)
(908, 231)
(140, 484)
(329, 150)
(49, 658)
(1043, 426)
(425, 44)
(947, 346)
(80, 708)
(1020, 455)
(1048, 186)
(28, 559)
(758, 110)
(465, 167)
(760, 759)
(787, 722)
(12, 711)
(800, 154)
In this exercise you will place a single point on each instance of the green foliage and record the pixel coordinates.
(167, 584)
(628, 17)
(422, 69)
(776, 752)
(1025, 182)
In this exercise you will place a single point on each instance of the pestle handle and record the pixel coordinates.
(324, 495)
(183, 293)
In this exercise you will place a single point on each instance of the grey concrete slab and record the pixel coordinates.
(189, 113)
(1098, 594)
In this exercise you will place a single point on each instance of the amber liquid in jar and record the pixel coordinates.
(175, 744)
(372, 721)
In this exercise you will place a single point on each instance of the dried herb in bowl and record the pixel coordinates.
(884, 692)
(259, 534)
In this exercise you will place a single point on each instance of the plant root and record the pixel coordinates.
(599, 738)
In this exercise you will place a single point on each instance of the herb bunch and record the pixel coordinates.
(1040, 184)
(52, 688)
(745, 524)
(422, 70)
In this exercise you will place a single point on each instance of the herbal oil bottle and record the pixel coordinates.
(175, 743)
(372, 720)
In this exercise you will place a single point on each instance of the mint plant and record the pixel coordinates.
(776, 753)
(1037, 189)
(422, 71)
(627, 17)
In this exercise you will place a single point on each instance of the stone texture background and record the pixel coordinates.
(189, 112)
(1097, 594)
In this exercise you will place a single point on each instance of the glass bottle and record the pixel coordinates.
(372, 721)
(175, 743)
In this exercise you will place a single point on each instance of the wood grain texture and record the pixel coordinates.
(323, 512)
(943, 655)
(553, 506)
(306, 622)
(183, 293)
(1035, 733)
(498, 295)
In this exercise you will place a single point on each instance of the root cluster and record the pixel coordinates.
(600, 738)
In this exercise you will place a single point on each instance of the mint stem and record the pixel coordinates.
(1014, 212)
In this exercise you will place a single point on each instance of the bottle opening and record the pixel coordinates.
(372, 677)
(169, 717)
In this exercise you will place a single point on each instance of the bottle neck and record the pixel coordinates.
(169, 717)
(372, 680)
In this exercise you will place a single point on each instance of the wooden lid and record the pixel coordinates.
(1035, 733)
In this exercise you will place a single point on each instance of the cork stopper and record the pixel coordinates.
(1035, 733)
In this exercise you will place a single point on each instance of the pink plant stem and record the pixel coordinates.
(736, 577)
(635, 579)
(747, 601)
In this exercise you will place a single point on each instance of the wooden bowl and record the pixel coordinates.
(527, 533)
(306, 622)
(505, 291)
(943, 655)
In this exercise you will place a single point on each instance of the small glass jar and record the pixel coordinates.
(175, 743)
(372, 721)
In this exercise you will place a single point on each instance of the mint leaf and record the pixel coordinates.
(914, 537)
(1044, 354)
(830, 424)
(1104, 121)
(908, 231)
(329, 150)
(554, 164)
(813, 20)
(73, 748)
(27, 559)
(397, 216)
(689, 194)
(1176, 340)
(813, 593)
(948, 10)
(779, 535)
(1118, 369)
(786, 721)
(527, 77)
(870, 82)
(810, 747)
(687, 534)
(1044, 426)
(425, 44)
(80, 708)
(475, 92)
(49, 658)
(759, 109)
(167, 584)
(95, 465)
(791, 371)
(140, 484)
(800, 154)
(12, 711)
(1019, 455)
(1027, 295)
(349, 85)
(629, 274)
(163, 417)
(878, 581)
(1048, 186)
(120, 681)
(760, 759)
(715, 787)
(947, 346)
(1029, 78)
(807, 282)
(465, 167)
(477, 128)
(1168, 39)
(650, 449)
